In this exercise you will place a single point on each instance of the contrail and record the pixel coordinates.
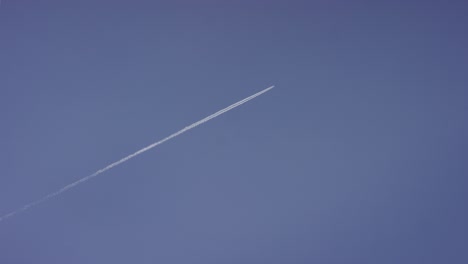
(110, 166)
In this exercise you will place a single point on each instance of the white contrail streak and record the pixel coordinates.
(74, 184)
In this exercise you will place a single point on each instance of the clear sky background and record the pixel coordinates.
(359, 155)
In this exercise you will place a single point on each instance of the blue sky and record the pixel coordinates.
(357, 156)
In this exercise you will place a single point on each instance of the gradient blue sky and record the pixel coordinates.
(357, 156)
